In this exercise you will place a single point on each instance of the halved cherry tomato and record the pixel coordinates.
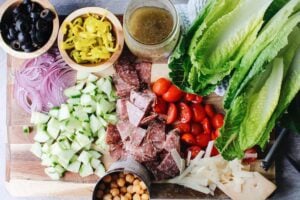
(215, 134)
(188, 138)
(198, 99)
(161, 86)
(202, 140)
(185, 113)
(189, 97)
(196, 128)
(198, 112)
(217, 120)
(250, 160)
(209, 109)
(214, 151)
(172, 113)
(183, 127)
(173, 94)
(194, 151)
(206, 126)
(160, 106)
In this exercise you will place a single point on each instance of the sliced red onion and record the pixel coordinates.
(40, 82)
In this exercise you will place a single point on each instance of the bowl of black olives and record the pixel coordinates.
(28, 28)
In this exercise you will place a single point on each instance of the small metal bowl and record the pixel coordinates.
(126, 166)
(118, 33)
(9, 4)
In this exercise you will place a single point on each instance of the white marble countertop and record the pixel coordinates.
(288, 179)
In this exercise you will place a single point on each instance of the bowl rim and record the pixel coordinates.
(27, 55)
(119, 39)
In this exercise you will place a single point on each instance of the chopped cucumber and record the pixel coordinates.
(54, 112)
(95, 154)
(41, 136)
(95, 163)
(52, 173)
(89, 88)
(36, 149)
(82, 75)
(92, 78)
(86, 170)
(64, 112)
(80, 114)
(86, 100)
(85, 157)
(72, 92)
(39, 118)
(111, 118)
(82, 140)
(53, 128)
(74, 167)
(100, 171)
(95, 123)
(74, 101)
(75, 146)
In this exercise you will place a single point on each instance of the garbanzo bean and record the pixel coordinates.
(107, 197)
(145, 197)
(113, 185)
(124, 198)
(143, 185)
(117, 198)
(129, 178)
(128, 195)
(114, 191)
(100, 194)
(136, 182)
(107, 179)
(123, 190)
(130, 189)
(136, 189)
(136, 197)
(121, 182)
(114, 177)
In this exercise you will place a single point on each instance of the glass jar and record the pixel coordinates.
(157, 51)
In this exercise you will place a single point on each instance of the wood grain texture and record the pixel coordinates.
(25, 174)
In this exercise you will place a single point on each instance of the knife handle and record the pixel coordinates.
(269, 159)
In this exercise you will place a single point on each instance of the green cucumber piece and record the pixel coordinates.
(72, 92)
(39, 118)
(64, 112)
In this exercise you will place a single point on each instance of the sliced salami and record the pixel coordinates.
(135, 115)
(121, 109)
(172, 141)
(144, 71)
(142, 100)
(112, 135)
(168, 166)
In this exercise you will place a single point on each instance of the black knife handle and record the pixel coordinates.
(269, 159)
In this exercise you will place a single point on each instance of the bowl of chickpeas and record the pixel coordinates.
(123, 183)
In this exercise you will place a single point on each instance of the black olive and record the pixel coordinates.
(4, 26)
(47, 15)
(15, 45)
(8, 37)
(42, 25)
(16, 10)
(12, 32)
(29, 7)
(22, 25)
(41, 38)
(34, 16)
(26, 1)
(23, 37)
(36, 7)
(27, 47)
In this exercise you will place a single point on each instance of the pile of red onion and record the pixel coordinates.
(40, 83)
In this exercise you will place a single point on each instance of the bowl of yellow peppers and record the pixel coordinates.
(91, 39)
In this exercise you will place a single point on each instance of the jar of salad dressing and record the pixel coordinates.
(151, 28)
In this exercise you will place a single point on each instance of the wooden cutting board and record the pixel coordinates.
(25, 175)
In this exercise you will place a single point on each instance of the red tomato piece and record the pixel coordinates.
(172, 113)
(217, 120)
(206, 126)
(185, 113)
(194, 151)
(250, 160)
(198, 99)
(189, 97)
(183, 127)
(160, 106)
(209, 109)
(173, 94)
(196, 128)
(198, 112)
(214, 151)
(202, 140)
(215, 134)
(161, 86)
(188, 138)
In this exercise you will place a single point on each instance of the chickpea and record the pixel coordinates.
(116, 198)
(136, 197)
(145, 197)
(114, 177)
(107, 179)
(143, 185)
(113, 185)
(123, 190)
(121, 182)
(115, 191)
(102, 186)
(107, 197)
(100, 194)
(136, 189)
(124, 198)
(130, 189)
(129, 178)
(136, 182)
(122, 175)
(128, 196)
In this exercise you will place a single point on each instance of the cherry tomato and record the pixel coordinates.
(250, 160)
(209, 109)
(202, 140)
(172, 113)
(161, 86)
(214, 151)
(215, 134)
(217, 120)
(196, 128)
(185, 113)
(173, 94)
(206, 126)
(198, 112)
(160, 106)
(194, 151)
(183, 127)
(188, 138)
(189, 97)
(198, 99)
